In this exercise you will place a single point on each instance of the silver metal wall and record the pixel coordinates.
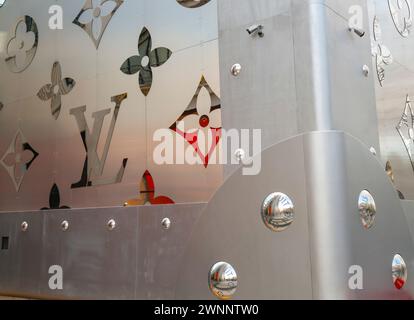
(397, 43)
(190, 32)
(303, 84)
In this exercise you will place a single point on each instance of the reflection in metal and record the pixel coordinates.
(367, 209)
(94, 165)
(166, 223)
(236, 69)
(193, 3)
(365, 70)
(381, 53)
(390, 174)
(22, 44)
(223, 280)
(54, 91)
(18, 159)
(406, 129)
(147, 193)
(54, 199)
(95, 16)
(64, 225)
(277, 212)
(401, 14)
(399, 272)
(200, 123)
(24, 226)
(111, 224)
(145, 61)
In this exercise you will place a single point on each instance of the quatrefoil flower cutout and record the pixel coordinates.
(406, 129)
(147, 194)
(54, 91)
(193, 3)
(200, 124)
(145, 61)
(18, 159)
(22, 45)
(95, 16)
(402, 16)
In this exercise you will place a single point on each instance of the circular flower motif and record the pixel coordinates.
(22, 46)
(53, 91)
(147, 59)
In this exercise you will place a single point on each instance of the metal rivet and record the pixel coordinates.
(277, 211)
(64, 225)
(24, 226)
(236, 69)
(111, 224)
(223, 280)
(367, 208)
(240, 154)
(373, 151)
(166, 223)
(365, 70)
(399, 272)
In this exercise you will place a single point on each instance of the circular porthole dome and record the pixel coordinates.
(223, 280)
(399, 272)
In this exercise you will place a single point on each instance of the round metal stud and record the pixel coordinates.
(367, 209)
(278, 211)
(24, 226)
(365, 70)
(222, 280)
(236, 69)
(399, 272)
(240, 154)
(166, 223)
(64, 225)
(373, 151)
(111, 224)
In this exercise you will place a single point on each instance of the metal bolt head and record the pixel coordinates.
(222, 280)
(373, 151)
(278, 211)
(367, 208)
(240, 154)
(236, 69)
(399, 272)
(111, 224)
(24, 226)
(166, 223)
(365, 70)
(64, 225)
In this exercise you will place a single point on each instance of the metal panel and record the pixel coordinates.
(191, 35)
(231, 230)
(136, 260)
